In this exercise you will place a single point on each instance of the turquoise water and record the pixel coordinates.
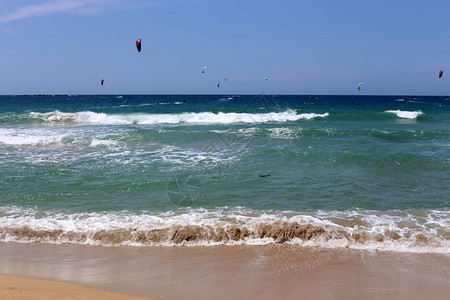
(358, 165)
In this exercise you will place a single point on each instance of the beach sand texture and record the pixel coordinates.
(235, 272)
(14, 287)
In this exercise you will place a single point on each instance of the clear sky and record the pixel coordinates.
(303, 47)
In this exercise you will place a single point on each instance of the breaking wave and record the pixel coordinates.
(406, 114)
(421, 231)
(89, 117)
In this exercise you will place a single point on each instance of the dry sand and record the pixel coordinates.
(236, 272)
(13, 288)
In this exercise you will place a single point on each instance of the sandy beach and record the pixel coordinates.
(231, 272)
(14, 287)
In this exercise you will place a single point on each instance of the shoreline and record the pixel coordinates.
(232, 272)
(426, 230)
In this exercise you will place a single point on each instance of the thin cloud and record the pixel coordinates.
(52, 7)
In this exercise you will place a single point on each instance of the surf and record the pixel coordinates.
(89, 117)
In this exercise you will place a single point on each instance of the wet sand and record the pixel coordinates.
(235, 272)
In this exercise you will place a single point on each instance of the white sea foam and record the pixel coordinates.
(243, 131)
(113, 145)
(406, 114)
(425, 231)
(279, 132)
(181, 158)
(36, 137)
(29, 140)
(53, 137)
(97, 142)
(89, 117)
(284, 133)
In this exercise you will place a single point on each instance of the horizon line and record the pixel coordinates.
(194, 94)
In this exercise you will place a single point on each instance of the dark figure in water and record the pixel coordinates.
(184, 101)
(264, 175)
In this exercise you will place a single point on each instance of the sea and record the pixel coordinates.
(358, 172)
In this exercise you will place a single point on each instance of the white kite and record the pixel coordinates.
(359, 86)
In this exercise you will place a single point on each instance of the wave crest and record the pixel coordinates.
(406, 114)
(89, 117)
(199, 227)
(261, 233)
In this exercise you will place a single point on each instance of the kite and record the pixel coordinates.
(138, 45)
(359, 86)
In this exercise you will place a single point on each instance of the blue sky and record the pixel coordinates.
(303, 47)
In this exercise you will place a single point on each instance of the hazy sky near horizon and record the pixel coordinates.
(303, 47)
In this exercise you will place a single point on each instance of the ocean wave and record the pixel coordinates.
(30, 140)
(56, 138)
(406, 114)
(426, 231)
(89, 117)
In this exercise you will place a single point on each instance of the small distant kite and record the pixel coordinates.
(359, 86)
(203, 70)
(441, 73)
(226, 78)
(138, 45)
(102, 81)
(218, 85)
(267, 78)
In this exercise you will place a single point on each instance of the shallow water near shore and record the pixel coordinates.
(367, 172)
